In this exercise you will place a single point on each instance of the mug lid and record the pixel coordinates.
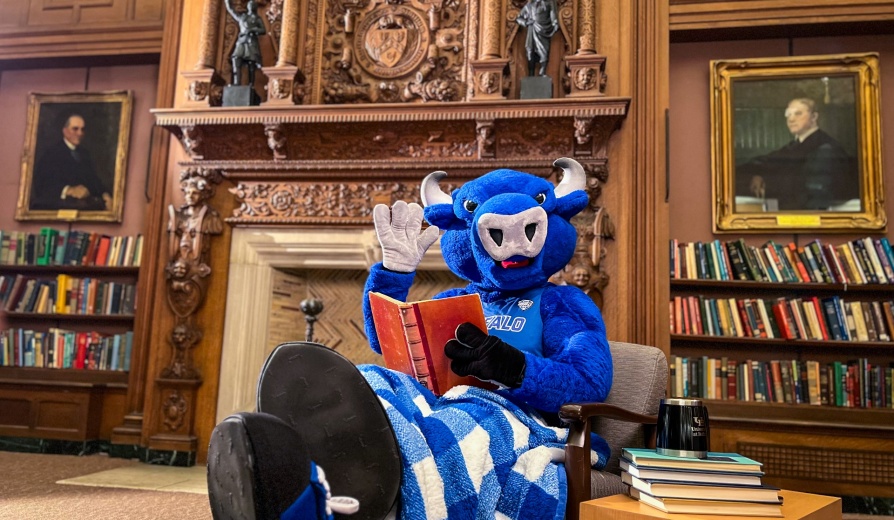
(676, 401)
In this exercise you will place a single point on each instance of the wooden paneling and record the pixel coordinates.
(65, 410)
(719, 14)
(67, 28)
(821, 460)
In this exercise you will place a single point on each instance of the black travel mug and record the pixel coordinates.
(683, 428)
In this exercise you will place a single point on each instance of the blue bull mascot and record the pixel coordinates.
(471, 453)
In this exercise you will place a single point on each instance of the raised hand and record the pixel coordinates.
(399, 229)
(475, 353)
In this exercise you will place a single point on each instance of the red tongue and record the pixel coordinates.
(512, 265)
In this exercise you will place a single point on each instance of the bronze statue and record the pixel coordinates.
(539, 16)
(247, 51)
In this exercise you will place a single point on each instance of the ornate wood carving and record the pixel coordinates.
(343, 203)
(594, 229)
(486, 141)
(189, 230)
(209, 34)
(276, 140)
(183, 340)
(191, 139)
(361, 133)
(392, 51)
(175, 409)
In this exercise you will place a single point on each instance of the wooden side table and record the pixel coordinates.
(795, 505)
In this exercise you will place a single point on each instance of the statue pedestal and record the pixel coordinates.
(536, 87)
(240, 96)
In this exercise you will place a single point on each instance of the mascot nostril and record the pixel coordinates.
(497, 236)
(530, 229)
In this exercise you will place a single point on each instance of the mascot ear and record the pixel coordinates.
(438, 205)
(570, 194)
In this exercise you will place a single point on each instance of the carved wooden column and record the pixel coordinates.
(285, 80)
(127, 436)
(487, 70)
(586, 68)
(650, 72)
(205, 87)
(190, 229)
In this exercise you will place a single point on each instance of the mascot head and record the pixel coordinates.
(507, 230)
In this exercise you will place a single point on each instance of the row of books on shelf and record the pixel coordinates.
(856, 383)
(59, 348)
(66, 295)
(860, 261)
(61, 247)
(720, 484)
(809, 318)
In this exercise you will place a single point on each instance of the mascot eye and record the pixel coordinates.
(470, 205)
(540, 198)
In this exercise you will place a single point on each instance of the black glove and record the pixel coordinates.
(474, 353)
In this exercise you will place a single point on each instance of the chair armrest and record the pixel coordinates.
(578, 417)
(581, 412)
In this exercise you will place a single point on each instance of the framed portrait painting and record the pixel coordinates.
(796, 144)
(75, 158)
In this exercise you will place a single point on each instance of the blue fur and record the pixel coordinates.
(577, 364)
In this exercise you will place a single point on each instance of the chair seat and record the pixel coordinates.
(604, 484)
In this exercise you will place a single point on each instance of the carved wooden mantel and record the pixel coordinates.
(384, 141)
(330, 165)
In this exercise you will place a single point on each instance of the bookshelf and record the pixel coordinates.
(815, 426)
(68, 301)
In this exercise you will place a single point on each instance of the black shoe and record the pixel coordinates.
(323, 396)
(257, 467)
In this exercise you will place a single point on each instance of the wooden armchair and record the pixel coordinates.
(627, 418)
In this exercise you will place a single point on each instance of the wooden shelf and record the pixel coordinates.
(62, 376)
(70, 317)
(775, 342)
(98, 270)
(800, 287)
(804, 415)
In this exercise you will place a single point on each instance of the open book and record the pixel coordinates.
(412, 336)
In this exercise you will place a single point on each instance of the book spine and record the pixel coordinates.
(417, 350)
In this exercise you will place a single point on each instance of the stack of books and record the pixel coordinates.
(721, 484)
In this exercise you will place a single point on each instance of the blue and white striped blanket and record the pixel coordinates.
(472, 453)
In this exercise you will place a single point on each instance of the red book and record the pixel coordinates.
(678, 315)
(696, 312)
(743, 317)
(412, 336)
(102, 250)
(802, 269)
(778, 392)
(779, 314)
(731, 384)
(89, 257)
(770, 396)
(81, 354)
(820, 317)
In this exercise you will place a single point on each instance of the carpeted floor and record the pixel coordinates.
(28, 491)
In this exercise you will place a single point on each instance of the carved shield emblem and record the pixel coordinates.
(387, 46)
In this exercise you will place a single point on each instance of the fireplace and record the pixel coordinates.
(327, 263)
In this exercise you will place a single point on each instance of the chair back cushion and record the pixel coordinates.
(639, 383)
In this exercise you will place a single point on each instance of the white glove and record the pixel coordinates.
(398, 229)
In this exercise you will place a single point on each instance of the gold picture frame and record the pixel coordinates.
(75, 158)
(796, 144)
